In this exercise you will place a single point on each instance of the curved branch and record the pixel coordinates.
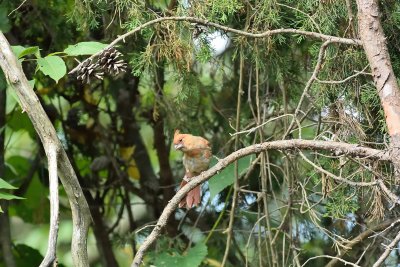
(330, 38)
(353, 150)
(49, 259)
(45, 130)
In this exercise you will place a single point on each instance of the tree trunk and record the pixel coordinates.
(374, 43)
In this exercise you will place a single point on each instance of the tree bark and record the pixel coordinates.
(374, 43)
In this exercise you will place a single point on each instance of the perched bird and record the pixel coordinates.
(196, 158)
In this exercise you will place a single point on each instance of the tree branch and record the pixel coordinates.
(50, 257)
(374, 43)
(31, 105)
(361, 237)
(332, 39)
(387, 251)
(352, 150)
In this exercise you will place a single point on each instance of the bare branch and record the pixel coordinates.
(337, 178)
(331, 257)
(352, 150)
(387, 251)
(346, 79)
(45, 130)
(50, 257)
(313, 77)
(361, 237)
(331, 39)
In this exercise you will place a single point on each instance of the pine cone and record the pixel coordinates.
(110, 62)
(87, 70)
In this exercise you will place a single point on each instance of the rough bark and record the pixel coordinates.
(31, 105)
(374, 43)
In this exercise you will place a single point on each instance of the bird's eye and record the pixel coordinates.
(180, 140)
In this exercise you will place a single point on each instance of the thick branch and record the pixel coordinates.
(374, 43)
(50, 257)
(332, 39)
(31, 105)
(352, 150)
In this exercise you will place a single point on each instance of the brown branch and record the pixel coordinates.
(338, 148)
(374, 43)
(31, 105)
(332, 39)
(361, 237)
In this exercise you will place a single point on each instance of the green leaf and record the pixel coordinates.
(33, 50)
(26, 256)
(195, 255)
(5, 25)
(19, 121)
(5, 185)
(8, 196)
(227, 176)
(52, 66)
(84, 48)
(193, 258)
(17, 50)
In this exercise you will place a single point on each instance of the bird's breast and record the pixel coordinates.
(198, 162)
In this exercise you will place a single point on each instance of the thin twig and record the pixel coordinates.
(330, 257)
(236, 184)
(313, 77)
(332, 39)
(344, 80)
(340, 179)
(18, 7)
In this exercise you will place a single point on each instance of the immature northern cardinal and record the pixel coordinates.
(196, 158)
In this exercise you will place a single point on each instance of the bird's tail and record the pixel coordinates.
(192, 199)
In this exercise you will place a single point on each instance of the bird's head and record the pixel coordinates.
(179, 140)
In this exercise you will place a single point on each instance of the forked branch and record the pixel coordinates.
(351, 150)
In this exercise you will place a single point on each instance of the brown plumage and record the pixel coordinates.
(196, 158)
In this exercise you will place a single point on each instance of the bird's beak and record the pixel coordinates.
(178, 146)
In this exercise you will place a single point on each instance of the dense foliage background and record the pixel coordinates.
(180, 75)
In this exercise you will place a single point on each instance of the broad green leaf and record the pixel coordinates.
(26, 256)
(195, 255)
(33, 50)
(166, 260)
(193, 258)
(5, 185)
(8, 196)
(52, 66)
(19, 121)
(227, 176)
(37, 209)
(17, 50)
(84, 48)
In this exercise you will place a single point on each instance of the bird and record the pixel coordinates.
(196, 159)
